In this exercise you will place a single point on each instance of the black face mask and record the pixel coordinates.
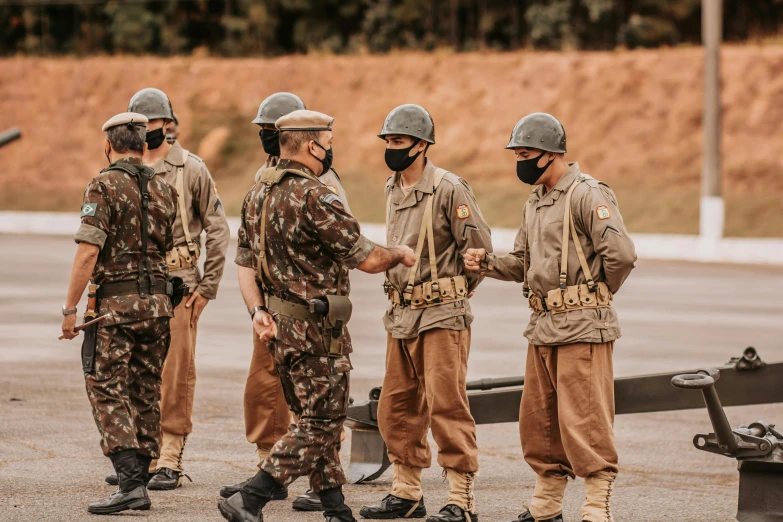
(327, 161)
(529, 172)
(270, 140)
(155, 138)
(398, 159)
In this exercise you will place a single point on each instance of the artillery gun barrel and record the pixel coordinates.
(10, 135)
(491, 384)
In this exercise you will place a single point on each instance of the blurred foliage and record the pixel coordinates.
(274, 27)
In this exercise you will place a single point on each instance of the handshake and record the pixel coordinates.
(473, 258)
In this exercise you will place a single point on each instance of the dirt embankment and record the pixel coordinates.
(633, 119)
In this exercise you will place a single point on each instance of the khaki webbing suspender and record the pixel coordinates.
(425, 232)
(568, 222)
(183, 211)
(525, 286)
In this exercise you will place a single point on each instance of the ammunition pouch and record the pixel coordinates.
(176, 289)
(577, 297)
(446, 290)
(180, 258)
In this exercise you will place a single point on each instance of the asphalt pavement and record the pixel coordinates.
(673, 316)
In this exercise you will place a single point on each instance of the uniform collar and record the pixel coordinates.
(424, 186)
(174, 157)
(295, 165)
(130, 160)
(562, 185)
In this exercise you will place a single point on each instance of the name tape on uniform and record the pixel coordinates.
(463, 211)
(603, 212)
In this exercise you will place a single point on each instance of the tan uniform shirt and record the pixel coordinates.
(205, 213)
(454, 233)
(607, 247)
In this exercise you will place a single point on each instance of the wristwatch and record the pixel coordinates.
(256, 309)
(69, 311)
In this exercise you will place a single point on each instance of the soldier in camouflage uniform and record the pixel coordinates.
(266, 412)
(200, 212)
(295, 239)
(126, 229)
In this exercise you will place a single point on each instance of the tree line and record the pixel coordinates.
(276, 27)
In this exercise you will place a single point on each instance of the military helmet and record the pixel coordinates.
(410, 120)
(539, 130)
(276, 106)
(152, 103)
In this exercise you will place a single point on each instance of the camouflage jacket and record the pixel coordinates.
(308, 236)
(111, 220)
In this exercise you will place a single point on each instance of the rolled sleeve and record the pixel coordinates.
(360, 251)
(90, 234)
(244, 257)
(325, 218)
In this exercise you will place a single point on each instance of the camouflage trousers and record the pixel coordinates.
(124, 389)
(316, 390)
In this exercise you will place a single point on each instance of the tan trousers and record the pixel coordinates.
(566, 419)
(266, 412)
(424, 386)
(177, 389)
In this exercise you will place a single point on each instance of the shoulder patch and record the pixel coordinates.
(463, 211)
(331, 198)
(88, 209)
(603, 212)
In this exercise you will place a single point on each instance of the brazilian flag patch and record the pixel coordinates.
(88, 209)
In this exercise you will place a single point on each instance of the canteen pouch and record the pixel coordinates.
(554, 300)
(571, 297)
(603, 294)
(588, 299)
(340, 309)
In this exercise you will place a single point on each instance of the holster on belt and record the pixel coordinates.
(340, 309)
(90, 341)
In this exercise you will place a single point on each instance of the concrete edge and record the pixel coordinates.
(672, 247)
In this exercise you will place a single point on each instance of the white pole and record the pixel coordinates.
(712, 206)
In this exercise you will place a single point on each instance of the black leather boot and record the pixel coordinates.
(144, 462)
(309, 501)
(334, 506)
(452, 513)
(246, 505)
(527, 517)
(132, 493)
(395, 507)
(280, 493)
(166, 479)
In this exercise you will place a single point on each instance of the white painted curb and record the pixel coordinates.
(648, 246)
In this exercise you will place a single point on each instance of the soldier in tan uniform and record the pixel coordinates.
(200, 210)
(572, 254)
(266, 413)
(428, 323)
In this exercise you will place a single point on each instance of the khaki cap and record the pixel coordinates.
(304, 120)
(132, 118)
